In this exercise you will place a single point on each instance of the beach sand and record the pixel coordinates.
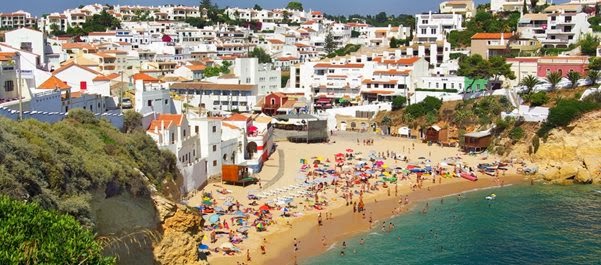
(344, 223)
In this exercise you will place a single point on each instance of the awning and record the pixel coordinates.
(252, 129)
(324, 100)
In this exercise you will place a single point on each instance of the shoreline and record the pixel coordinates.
(346, 224)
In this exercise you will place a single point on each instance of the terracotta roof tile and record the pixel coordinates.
(144, 77)
(236, 117)
(350, 65)
(489, 36)
(53, 83)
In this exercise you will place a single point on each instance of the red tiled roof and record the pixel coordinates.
(196, 67)
(53, 83)
(275, 41)
(144, 77)
(489, 36)
(236, 117)
(349, 65)
(392, 72)
(168, 120)
(7, 56)
(101, 78)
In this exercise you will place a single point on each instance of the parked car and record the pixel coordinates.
(126, 103)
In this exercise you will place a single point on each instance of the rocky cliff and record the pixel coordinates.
(572, 153)
(181, 233)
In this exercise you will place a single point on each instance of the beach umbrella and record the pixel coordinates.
(203, 247)
(421, 157)
(212, 219)
(207, 202)
(349, 150)
(219, 209)
(339, 154)
(264, 207)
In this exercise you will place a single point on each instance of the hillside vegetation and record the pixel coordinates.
(32, 235)
(58, 166)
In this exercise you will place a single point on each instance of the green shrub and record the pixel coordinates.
(535, 144)
(32, 235)
(564, 113)
(516, 134)
(538, 99)
(398, 102)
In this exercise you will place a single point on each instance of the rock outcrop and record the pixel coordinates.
(181, 233)
(573, 153)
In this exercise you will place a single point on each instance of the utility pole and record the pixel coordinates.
(19, 92)
(121, 93)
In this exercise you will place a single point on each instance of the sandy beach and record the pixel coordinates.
(282, 170)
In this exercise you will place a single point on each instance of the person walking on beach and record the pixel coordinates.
(248, 255)
(263, 252)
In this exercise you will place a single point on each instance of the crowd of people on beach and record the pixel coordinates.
(347, 176)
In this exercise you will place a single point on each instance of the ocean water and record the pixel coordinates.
(540, 224)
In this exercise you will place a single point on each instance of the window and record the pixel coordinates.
(9, 85)
(214, 163)
(196, 129)
(149, 103)
(214, 148)
(166, 101)
(172, 138)
(433, 31)
(424, 31)
(214, 128)
(184, 132)
(83, 85)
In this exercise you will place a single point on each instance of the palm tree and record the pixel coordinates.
(553, 78)
(573, 76)
(529, 82)
(593, 75)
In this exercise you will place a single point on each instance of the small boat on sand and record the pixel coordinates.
(469, 176)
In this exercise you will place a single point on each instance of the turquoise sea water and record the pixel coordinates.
(540, 224)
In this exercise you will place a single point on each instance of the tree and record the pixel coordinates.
(474, 67)
(529, 82)
(225, 67)
(55, 30)
(295, 6)
(393, 43)
(132, 121)
(538, 99)
(525, 8)
(595, 63)
(588, 44)
(500, 68)
(573, 76)
(381, 17)
(329, 46)
(211, 71)
(593, 75)
(399, 102)
(32, 235)
(553, 78)
(259, 53)
(355, 34)
(101, 22)
(533, 3)
(257, 7)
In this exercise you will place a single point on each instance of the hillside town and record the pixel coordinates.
(211, 85)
